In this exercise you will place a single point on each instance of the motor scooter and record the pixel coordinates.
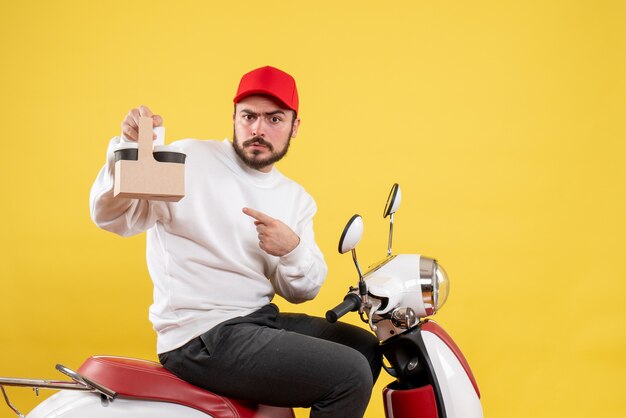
(394, 297)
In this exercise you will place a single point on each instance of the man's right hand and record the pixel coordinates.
(130, 124)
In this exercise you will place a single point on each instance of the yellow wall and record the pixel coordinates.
(502, 121)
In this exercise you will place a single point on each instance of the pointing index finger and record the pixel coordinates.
(259, 216)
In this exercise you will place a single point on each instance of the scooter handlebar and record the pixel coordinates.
(350, 303)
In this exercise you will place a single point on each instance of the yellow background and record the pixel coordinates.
(502, 121)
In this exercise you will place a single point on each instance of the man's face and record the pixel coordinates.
(263, 128)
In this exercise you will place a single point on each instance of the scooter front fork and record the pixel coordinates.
(416, 392)
(434, 379)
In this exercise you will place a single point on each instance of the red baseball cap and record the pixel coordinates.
(271, 81)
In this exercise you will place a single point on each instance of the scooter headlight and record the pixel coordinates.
(443, 284)
(435, 285)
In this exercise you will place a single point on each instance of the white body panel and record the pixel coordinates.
(398, 281)
(459, 396)
(72, 404)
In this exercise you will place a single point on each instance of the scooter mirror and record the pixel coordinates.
(351, 234)
(393, 201)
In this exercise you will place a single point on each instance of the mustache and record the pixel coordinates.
(258, 140)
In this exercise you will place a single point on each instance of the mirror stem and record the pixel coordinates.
(390, 234)
(362, 285)
(356, 263)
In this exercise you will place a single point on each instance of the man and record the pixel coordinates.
(242, 233)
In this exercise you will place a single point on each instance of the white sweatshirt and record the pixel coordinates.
(203, 252)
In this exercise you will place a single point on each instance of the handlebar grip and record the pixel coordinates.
(351, 302)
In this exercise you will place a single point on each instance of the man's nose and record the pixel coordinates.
(258, 128)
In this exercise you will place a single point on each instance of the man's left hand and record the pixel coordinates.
(275, 238)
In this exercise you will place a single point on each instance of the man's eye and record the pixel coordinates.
(275, 119)
(248, 117)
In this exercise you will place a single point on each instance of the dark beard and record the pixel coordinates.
(257, 163)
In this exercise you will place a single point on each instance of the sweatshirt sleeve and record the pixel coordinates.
(300, 273)
(122, 216)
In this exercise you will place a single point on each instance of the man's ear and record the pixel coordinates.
(296, 124)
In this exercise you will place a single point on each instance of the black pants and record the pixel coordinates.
(290, 360)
